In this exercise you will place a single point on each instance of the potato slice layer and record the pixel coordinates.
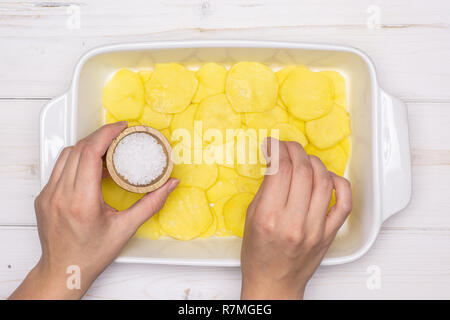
(234, 212)
(170, 88)
(186, 214)
(251, 87)
(308, 95)
(123, 95)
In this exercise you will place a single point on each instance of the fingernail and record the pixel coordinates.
(173, 183)
(123, 123)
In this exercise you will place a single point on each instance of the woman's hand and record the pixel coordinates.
(76, 227)
(287, 229)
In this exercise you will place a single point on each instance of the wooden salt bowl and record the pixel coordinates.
(124, 183)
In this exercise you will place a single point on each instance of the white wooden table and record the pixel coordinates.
(409, 43)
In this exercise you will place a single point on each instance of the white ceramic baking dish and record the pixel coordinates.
(379, 168)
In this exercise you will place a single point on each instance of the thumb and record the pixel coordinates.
(150, 204)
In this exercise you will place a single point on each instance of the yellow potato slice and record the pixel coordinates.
(266, 120)
(117, 197)
(171, 88)
(339, 87)
(308, 95)
(241, 183)
(150, 229)
(211, 81)
(132, 123)
(145, 75)
(288, 132)
(327, 131)
(184, 121)
(123, 95)
(284, 72)
(299, 124)
(221, 189)
(250, 161)
(186, 214)
(251, 87)
(155, 119)
(346, 146)
(211, 229)
(334, 158)
(109, 118)
(216, 113)
(217, 209)
(234, 212)
(196, 175)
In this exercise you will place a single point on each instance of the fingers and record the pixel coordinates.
(321, 194)
(90, 169)
(340, 211)
(59, 166)
(150, 204)
(302, 179)
(275, 187)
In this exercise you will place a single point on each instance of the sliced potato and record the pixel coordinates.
(327, 131)
(288, 132)
(145, 75)
(150, 229)
(334, 158)
(308, 95)
(211, 81)
(195, 175)
(155, 119)
(186, 214)
(251, 87)
(109, 118)
(234, 212)
(339, 87)
(346, 145)
(265, 120)
(299, 124)
(216, 113)
(123, 95)
(170, 88)
(211, 229)
(217, 208)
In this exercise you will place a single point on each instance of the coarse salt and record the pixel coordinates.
(139, 158)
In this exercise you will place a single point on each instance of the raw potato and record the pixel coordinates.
(184, 120)
(109, 118)
(327, 131)
(211, 81)
(217, 208)
(152, 118)
(195, 175)
(251, 87)
(123, 95)
(265, 120)
(171, 88)
(308, 95)
(234, 212)
(145, 75)
(339, 87)
(299, 124)
(346, 145)
(212, 199)
(216, 113)
(121, 199)
(186, 214)
(334, 158)
(288, 132)
(283, 73)
(150, 229)
(211, 229)
(250, 162)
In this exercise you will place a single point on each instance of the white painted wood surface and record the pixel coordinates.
(410, 47)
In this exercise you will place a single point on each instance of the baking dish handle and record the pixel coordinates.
(54, 134)
(396, 156)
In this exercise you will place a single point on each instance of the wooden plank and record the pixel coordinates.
(408, 48)
(399, 255)
(429, 131)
